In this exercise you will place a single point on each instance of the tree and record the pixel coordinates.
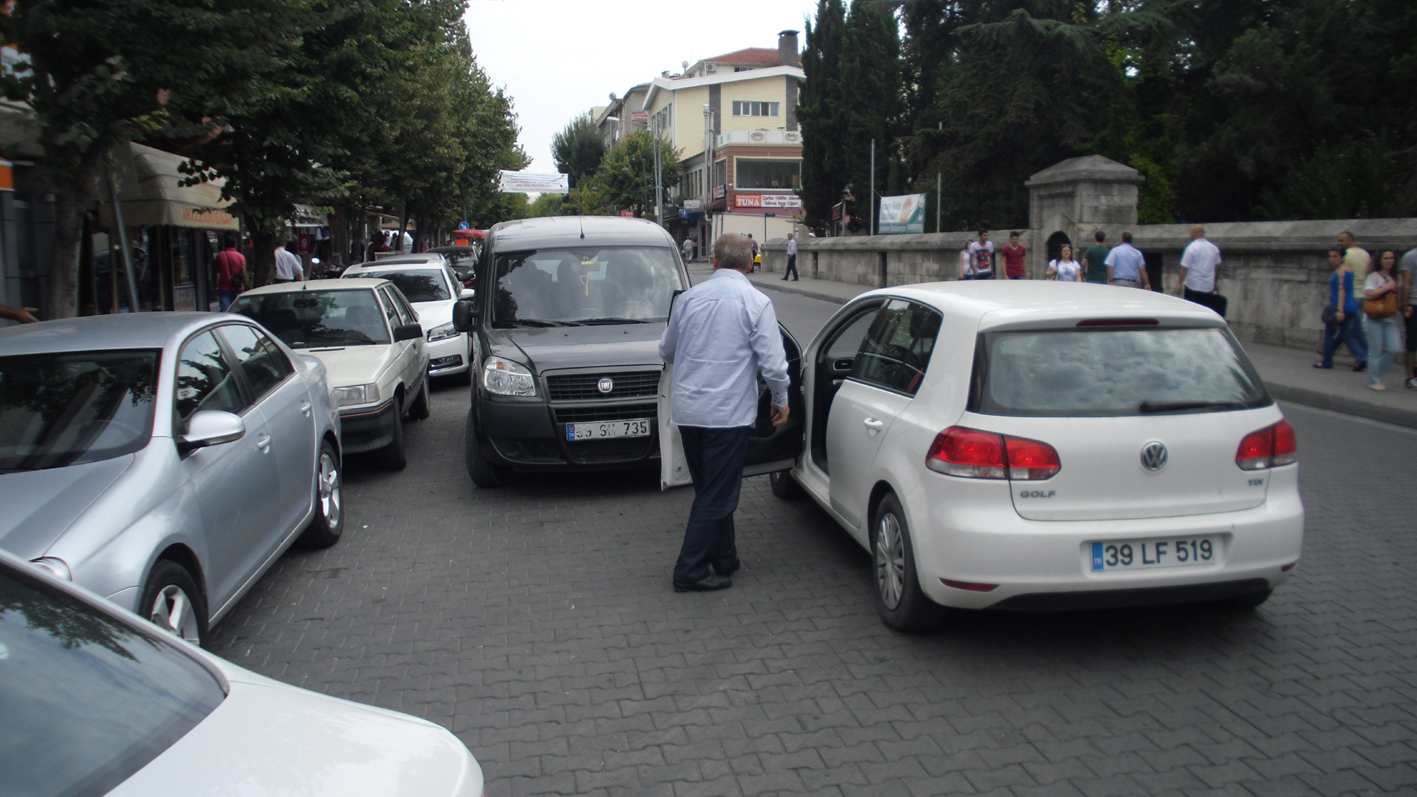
(872, 99)
(821, 115)
(626, 175)
(578, 149)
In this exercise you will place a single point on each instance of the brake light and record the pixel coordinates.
(975, 454)
(1270, 447)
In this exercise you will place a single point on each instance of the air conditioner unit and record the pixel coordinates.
(710, 67)
(757, 136)
(793, 137)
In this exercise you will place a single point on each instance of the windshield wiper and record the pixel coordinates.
(612, 320)
(1193, 404)
(531, 322)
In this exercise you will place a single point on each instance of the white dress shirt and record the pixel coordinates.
(791, 246)
(1200, 260)
(288, 265)
(720, 335)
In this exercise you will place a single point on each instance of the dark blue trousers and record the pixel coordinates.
(1348, 331)
(715, 458)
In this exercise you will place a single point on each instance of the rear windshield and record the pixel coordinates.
(86, 700)
(430, 285)
(590, 285)
(313, 319)
(1112, 372)
(69, 408)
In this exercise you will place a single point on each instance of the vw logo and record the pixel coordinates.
(1153, 456)
(605, 385)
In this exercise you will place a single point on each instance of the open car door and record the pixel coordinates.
(770, 448)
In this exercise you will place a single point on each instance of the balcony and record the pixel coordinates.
(759, 138)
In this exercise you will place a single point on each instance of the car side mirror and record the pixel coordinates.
(210, 428)
(407, 332)
(463, 315)
(467, 293)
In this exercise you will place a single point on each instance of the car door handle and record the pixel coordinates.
(874, 424)
(264, 443)
(305, 408)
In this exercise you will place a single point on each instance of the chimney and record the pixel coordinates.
(787, 48)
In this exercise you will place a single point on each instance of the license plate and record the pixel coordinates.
(1146, 554)
(600, 430)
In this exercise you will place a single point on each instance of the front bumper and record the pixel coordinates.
(448, 356)
(531, 436)
(367, 428)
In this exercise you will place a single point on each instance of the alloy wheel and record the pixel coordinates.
(173, 611)
(329, 490)
(890, 560)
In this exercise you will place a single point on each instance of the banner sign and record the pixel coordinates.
(767, 201)
(694, 204)
(640, 117)
(533, 183)
(902, 214)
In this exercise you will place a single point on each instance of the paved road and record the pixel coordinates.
(537, 622)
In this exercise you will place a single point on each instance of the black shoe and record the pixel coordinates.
(1325, 367)
(729, 569)
(708, 583)
(1361, 367)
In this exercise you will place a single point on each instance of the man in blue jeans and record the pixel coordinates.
(721, 334)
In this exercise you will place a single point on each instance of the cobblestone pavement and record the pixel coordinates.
(537, 622)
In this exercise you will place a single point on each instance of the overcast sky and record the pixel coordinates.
(559, 58)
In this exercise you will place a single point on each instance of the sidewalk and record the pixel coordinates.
(1288, 373)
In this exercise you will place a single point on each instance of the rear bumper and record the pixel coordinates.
(367, 429)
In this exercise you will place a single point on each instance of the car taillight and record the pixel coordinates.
(1270, 447)
(974, 454)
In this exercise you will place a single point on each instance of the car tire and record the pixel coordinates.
(419, 409)
(899, 599)
(391, 456)
(1244, 603)
(485, 474)
(784, 485)
(173, 603)
(328, 523)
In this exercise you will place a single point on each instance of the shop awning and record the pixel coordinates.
(309, 216)
(152, 194)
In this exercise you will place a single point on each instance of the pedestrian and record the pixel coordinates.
(1013, 258)
(1094, 259)
(1354, 255)
(1408, 266)
(791, 259)
(1126, 266)
(22, 315)
(722, 333)
(981, 258)
(966, 264)
(688, 247)
(1340, 317)
(1199, 263)
(757, 257)
(231, 278)
(288, 265)
(1065, 269)
(1380, 294)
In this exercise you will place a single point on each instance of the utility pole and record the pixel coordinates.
(705, 233)
(871, 194)
(939, 197)
(658, 178)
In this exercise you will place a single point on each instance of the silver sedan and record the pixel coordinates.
(164, 460)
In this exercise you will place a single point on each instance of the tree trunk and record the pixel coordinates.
(263, 256)
(63, 299)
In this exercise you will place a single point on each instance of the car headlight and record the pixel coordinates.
(355, 394)
(55, 566)
(506, 378)
(442, 332)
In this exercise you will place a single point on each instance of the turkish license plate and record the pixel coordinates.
(600, 430)
(1147, 554)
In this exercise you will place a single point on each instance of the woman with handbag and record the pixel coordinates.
(1384, 337)
(1341, 316)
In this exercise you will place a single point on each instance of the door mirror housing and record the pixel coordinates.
(464, 314)
(407, 332)
(210, 428)
(467, 293)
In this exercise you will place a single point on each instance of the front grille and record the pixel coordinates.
(614, 412)
(582, 387)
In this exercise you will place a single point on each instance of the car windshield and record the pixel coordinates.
(592, 284)
(423, 285)
(68, 408)
(87, 700)
(318, 319)
(1113, 372)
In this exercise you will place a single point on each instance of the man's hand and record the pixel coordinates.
(779, 415)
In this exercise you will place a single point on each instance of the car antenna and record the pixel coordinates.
(581, 220)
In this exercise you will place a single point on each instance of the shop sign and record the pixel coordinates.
(7, 176)
(627, 214)
(767, 201)
(694, 204)
(640, 117)
(719, 192)
(199, 217)
(902, 214)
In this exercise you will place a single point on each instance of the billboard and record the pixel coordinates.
(767, 201)
(532, 183)
(902, 214)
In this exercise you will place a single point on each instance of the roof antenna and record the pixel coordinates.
(581, 221)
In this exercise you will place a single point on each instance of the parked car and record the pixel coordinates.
(566, 345)
(371, 342)
(164, 460)
(432, 289)
(98, 702)
(463, 260)
(1040, 446)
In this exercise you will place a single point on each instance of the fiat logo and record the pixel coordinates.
(1153, 456)
(605, 385)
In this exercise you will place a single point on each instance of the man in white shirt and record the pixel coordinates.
(1126, 266)
(721, 334)
(791, 259)
(981, 258)
(288, 266)
(688, 249)
(1199, 263)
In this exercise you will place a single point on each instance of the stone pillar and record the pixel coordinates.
(1073, 199)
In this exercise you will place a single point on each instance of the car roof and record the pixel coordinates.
(567, 231)
(318, 285)
(1009, 302)
(107, 332)
(395, 265)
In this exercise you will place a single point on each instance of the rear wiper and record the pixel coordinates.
(1194, 404)
(612, 320)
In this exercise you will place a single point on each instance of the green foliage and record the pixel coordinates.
(625, 179)
(546, 205)
(821, 115)
(578, 149)
(587, 200)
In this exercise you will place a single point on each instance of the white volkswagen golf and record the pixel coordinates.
(1032, 445)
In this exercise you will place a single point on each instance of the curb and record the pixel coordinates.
(810, 294)
(1342, 404)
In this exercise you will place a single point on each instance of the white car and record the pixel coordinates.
(1034, 446)
(98, 701)
(370, 340)
(433, 289)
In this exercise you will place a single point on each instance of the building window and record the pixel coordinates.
(742, 69)
(783, 173)
(747, 108)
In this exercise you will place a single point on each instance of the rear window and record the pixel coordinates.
(429, 285)
(314, 319)
(1113, 372)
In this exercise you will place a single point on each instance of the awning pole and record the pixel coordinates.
(123, 242)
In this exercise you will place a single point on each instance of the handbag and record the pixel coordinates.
(1329, 315)
(1378, 309)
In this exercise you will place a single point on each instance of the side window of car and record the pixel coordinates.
(848, 341)
(896, 351)
(390, 307)
(261, 361)
(205, 381)
(407, 314)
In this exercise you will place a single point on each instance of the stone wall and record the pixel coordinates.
(860, 260)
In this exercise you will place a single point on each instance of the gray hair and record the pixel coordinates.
(732, 250)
